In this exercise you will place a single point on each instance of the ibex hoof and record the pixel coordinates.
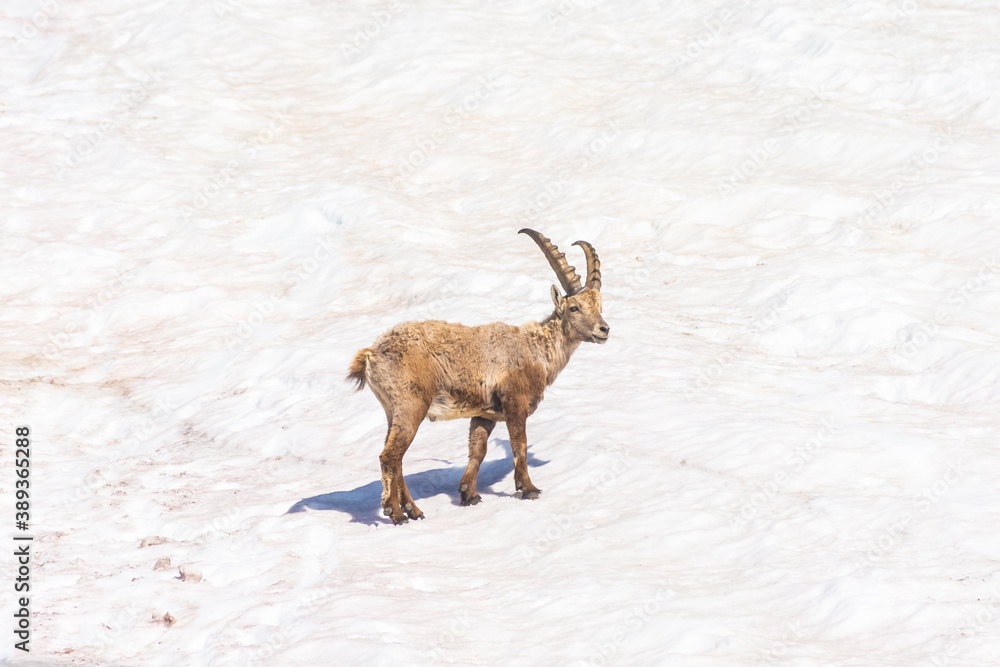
(397, 517)
(474, 500)
(529, 495)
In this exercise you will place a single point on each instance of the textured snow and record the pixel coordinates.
(785, 455)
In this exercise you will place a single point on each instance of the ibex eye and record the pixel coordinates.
(574, 309)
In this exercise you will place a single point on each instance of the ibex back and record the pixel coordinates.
(490, 373)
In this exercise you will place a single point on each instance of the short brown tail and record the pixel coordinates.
(356, 373)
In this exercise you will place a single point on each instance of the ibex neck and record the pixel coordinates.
(558, 347)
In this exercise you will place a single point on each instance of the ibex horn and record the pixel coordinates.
(593, 266)
(557, 260)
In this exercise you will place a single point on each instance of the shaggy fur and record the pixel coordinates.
(489, 373)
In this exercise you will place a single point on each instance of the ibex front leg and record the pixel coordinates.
(516, 414)
(479, 433)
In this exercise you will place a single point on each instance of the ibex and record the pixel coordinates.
(489, 373)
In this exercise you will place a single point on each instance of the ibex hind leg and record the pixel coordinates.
(397, 503)
(479, 433)
(410, 507)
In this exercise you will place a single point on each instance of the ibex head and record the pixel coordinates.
(580, 309)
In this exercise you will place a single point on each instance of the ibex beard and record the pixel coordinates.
(489, 373)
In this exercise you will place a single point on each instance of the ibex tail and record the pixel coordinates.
(358, 368)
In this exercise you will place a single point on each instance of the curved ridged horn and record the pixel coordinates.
(593, 266)
(557, 260)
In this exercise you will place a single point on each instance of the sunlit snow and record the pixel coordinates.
(785, 455)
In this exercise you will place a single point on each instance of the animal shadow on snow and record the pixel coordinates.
(364, 503)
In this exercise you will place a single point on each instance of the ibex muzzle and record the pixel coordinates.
(489, 373)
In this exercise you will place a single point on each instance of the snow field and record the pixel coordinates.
(785, 455)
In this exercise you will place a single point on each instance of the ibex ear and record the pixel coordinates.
(557, 299)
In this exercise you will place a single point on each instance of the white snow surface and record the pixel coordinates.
(785, 455)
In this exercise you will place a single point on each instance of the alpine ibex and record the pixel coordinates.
(489, 373)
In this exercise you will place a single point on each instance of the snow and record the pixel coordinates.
(785, 454)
